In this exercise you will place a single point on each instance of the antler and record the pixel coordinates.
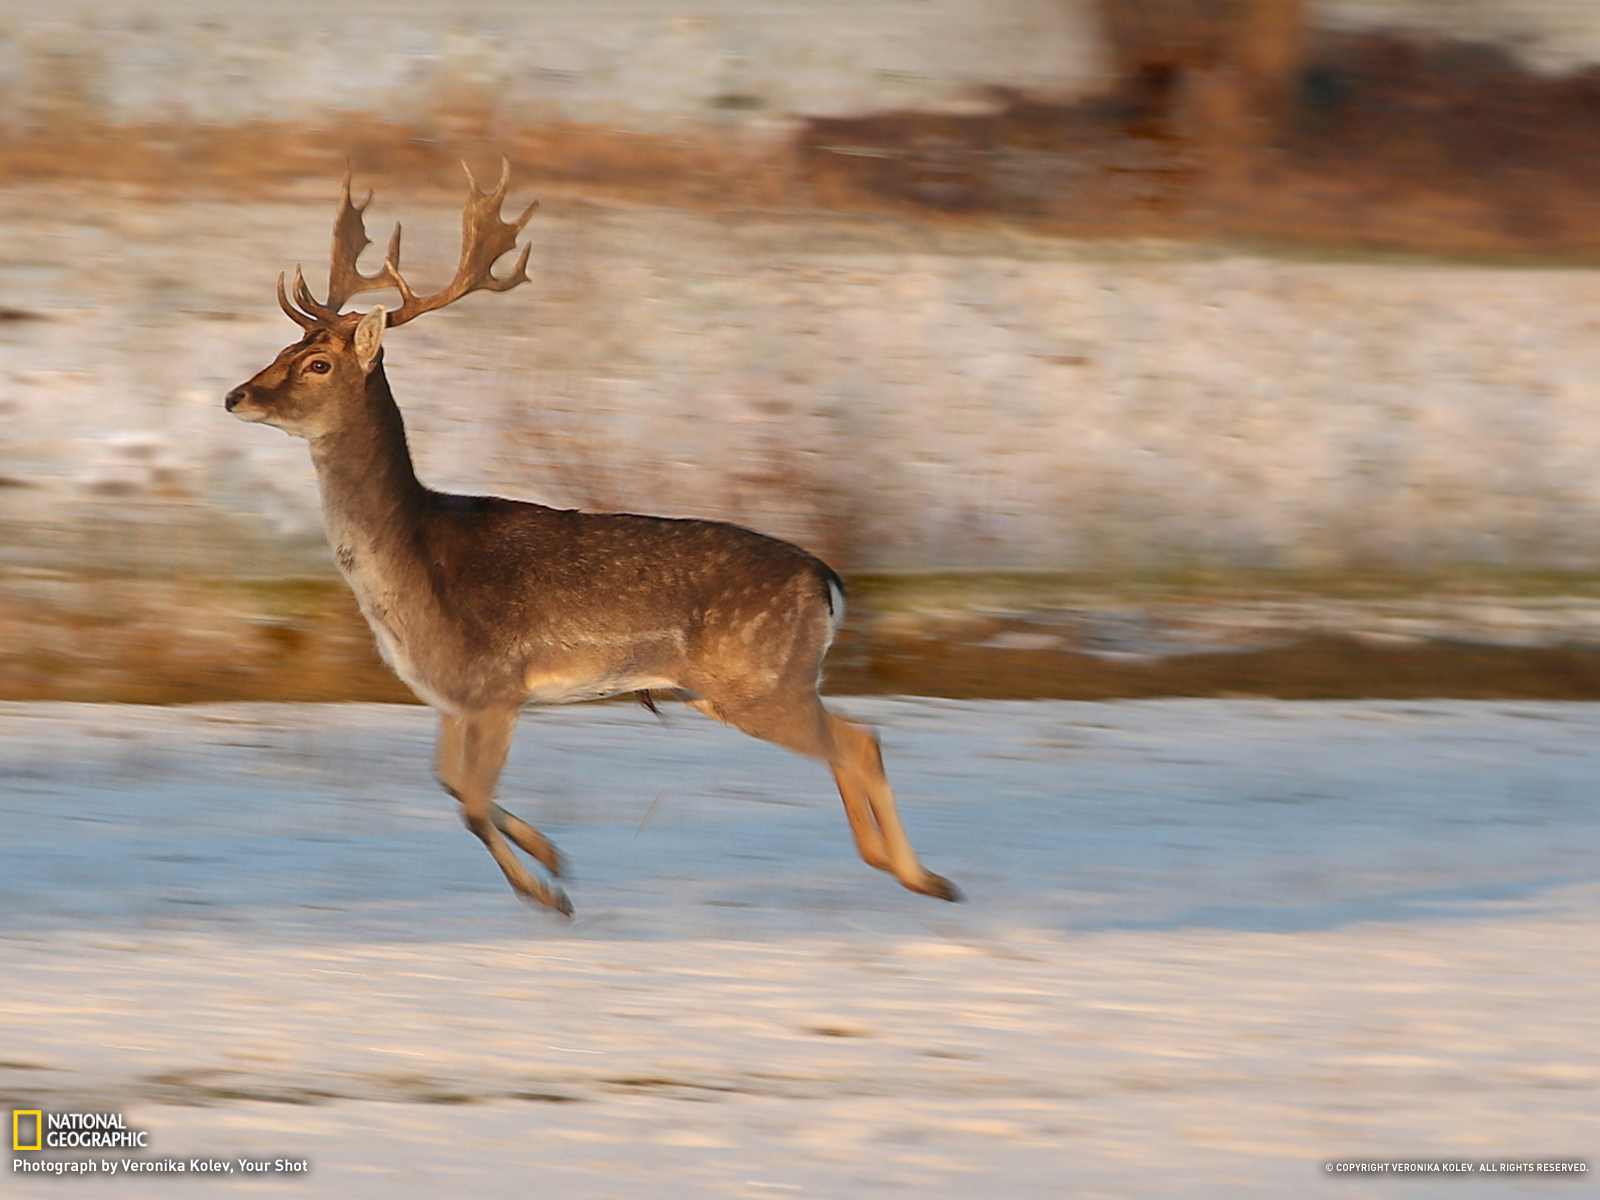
(484, 239)
(349, 240)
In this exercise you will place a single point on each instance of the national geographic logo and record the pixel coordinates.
(40, 1129)
(36, 1129)
(27, 1129)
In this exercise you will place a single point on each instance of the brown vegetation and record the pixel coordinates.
(145, 641)
(1316, 668)
(168, 641)
(1223, 118)
(269, 159)
(1374, 138)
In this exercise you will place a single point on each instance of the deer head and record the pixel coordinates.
(317, 385)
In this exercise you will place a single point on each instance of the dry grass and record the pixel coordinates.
(268, 160)
(172, 642)
(1316, 668)
(1444, 146)
(1376, 139)
(175, 641)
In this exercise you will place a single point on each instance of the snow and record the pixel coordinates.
(1209, 946)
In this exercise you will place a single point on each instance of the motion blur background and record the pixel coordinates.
(1109, 347)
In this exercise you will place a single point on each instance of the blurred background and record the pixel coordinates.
(1108, 347)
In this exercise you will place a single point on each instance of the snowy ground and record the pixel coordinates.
(1209, 946)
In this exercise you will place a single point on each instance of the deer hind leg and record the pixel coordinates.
(858, 767)
(471, 753)
(803, 725)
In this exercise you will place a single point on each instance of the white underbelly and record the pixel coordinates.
(557, 687)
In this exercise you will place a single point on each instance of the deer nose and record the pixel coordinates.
(231, 400)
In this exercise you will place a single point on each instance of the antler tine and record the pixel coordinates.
(321, 313)
(519, 274)
(485, 238)
(499, 190)
(391, 266)
(500, 193)
(293, 313)
(392, 258)
(533, 207)
(349, 240)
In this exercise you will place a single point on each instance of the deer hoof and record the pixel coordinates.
(938, 887)
(558, 901)
(552, 898)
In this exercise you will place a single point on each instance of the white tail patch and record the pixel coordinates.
(836, 604)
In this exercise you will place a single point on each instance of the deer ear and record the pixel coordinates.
(369, 337)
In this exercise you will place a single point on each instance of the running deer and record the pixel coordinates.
(483, 605)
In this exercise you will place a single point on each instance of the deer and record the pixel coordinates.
(485, 605)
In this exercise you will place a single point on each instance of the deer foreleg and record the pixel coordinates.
(472, 751)
(529, 839)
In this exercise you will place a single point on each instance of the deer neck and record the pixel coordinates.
(371, 497)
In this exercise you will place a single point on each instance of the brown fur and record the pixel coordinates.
(483, 604)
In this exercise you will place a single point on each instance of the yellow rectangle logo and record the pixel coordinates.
(16, 1128)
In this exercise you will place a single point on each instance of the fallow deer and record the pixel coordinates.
(483, 605)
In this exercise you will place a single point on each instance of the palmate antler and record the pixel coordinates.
(484, 239)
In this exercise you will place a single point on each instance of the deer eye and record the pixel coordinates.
(320, 365)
